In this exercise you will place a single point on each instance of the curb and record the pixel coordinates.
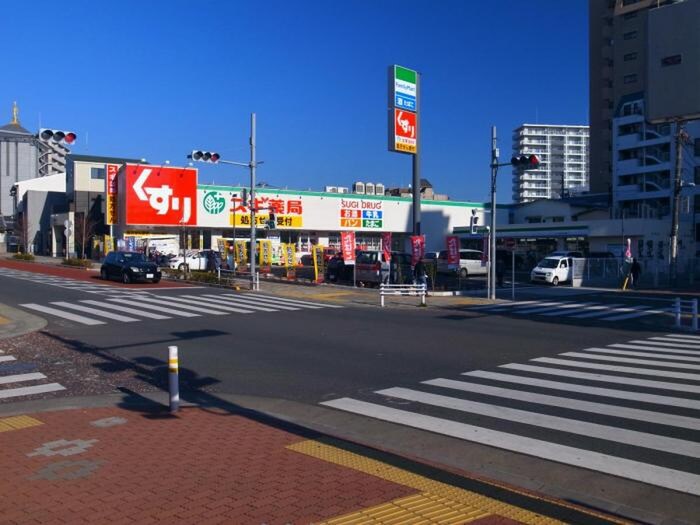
(20, 322)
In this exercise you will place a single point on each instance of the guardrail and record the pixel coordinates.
(685, 307)
(402, 290)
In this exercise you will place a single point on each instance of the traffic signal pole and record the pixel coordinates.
(253, 251)
(681, 137)
(416, 167)
(492, 243)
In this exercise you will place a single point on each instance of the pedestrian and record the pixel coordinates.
(635, 271)
(420, 275)
(385, 270)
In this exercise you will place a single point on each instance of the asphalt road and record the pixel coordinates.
(332, 367)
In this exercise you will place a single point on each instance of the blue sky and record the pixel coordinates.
(157, 79)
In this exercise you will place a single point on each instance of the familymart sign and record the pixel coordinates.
(403, 112)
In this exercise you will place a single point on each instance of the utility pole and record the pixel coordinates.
(253, 251)
(492, 243)
(681, 136)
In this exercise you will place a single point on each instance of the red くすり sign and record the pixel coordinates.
(160, 195)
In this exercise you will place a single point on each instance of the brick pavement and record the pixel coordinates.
(209, 465)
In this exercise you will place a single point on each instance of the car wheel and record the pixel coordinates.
(183, 267)
(156, 280)
(103, 274)
(463, 273)
(555, 281)
(126, 278)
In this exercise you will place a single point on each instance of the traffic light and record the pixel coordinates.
(272, 221)
(205, 156)
(473, 221)
(525, 162)
(58, 136)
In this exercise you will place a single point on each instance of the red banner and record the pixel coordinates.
(417, 248)
(161, 195)
(347, 241)
(452, 251)
(386, 246)
(485, 250)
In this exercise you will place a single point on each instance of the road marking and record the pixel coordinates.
(632, 315)
(631, 360)
(613, 368)
(276, 303)
(642, 354)
(162, 309)
(489, 307)
(218, 298)
(562, 424)
(658, 341)
(654, 348)
(585, 389)
(553, 310)
(30, 390)
(203, 302)
(626, 468)
(65, 315)
(18, 378)
(94, 311)
(166, 302)
(126, 309)
(5, 358)
(608, 311)
(297, 302)
(579, 307)
(245, 300)
(568, 403)
(684, 336)
(550, 303)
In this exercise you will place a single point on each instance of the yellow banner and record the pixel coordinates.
(111, 209)
(109, 244)
(283, 221)
(288, 254)
(241, 252)
(317, 252)
(266, 251)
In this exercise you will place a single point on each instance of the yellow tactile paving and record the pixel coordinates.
(18, 422)
(4, 320)
(437, 502)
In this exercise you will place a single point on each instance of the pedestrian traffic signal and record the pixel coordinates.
(205, 156)
(58, 136)
(473, 222)
(525, 162)
(272, 221)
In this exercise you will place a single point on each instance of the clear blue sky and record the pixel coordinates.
(156, 79)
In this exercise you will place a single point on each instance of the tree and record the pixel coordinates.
(85, 225)
(22, 233)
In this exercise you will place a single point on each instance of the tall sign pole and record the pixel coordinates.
(681, 137)
(404, 104)
(492, 244)
(253, 280)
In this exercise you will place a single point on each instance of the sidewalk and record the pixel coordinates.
(136, 463)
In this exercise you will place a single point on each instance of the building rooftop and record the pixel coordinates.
(104, 160)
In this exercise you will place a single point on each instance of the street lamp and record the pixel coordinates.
(215, 158)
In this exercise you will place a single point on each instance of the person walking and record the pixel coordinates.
(420, 275)
(635, 271)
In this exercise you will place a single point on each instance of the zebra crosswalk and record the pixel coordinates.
(634, 412)
(134, 308)
(65, 282)
(572, 310)
(16, 382)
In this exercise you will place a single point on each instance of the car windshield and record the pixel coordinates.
(548, 263)
(133, 257)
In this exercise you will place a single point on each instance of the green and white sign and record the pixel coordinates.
(405, 90)
(214, 202)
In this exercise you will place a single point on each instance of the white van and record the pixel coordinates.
(469, 263)
(553, 270)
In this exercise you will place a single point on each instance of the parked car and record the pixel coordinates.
(469, 263)
(552, 270)
(129, 267)
(196, 260)
(372, 268)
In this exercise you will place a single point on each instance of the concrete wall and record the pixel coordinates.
(18, 162)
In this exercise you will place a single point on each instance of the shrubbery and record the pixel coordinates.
(79, 263)
(23, 256)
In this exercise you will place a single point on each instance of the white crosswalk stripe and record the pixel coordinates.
(14, 380)
(138, 307)
(603, 420)
(655, 349)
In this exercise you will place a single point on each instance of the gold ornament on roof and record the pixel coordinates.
(15, 113)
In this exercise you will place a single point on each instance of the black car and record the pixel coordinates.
(129, 267)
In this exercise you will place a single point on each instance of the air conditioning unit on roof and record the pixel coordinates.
(331, 189)
(359, 188)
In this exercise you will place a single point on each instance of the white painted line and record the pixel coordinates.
(613, 368)
(161, 309)
(275, 302)
(654, 348)
(541, 307)
(95, 311)
(608, 311)
(658, 341)
(552, 311)
(29, 390)
(296, 302)
(126, 309)
(207, 304)
(569, 309)
(562, 424)
(585, 389)
(633, 315)
(684, 336)
(550, 303)
(568, 403)
(218, 299)
(500, 306)
(166, 302)
(631, 360)
(590, 308)
(246, 300)
(626, 468)
(643, 354)
(60, 313)
(5, 358)
(19, 378)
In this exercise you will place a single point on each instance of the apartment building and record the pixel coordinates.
(563, 154)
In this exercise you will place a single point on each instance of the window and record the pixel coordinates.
(696, 148)
(630, 79)
(630, 56)
(631, 35)
(97, 173)
(672, 60)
